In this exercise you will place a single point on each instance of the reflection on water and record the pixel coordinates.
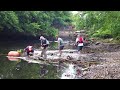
(12, 68)
(69, 73)
(19, 69)
(13, 59)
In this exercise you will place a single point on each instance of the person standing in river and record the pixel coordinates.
(60, 44)
(79, 41)
(44, 46)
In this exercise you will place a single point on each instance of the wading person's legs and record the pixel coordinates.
(42, 53)
(45, 55)
(60, 50)
(80, 49)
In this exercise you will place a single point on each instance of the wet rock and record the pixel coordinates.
(69, 57)
(43, 70)
(18, 67)
(97, 43)
(103, 72)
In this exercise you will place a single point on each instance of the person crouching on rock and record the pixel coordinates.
(29, 50)
(44, 46)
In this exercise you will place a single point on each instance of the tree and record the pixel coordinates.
(34, 22)
(103, 24)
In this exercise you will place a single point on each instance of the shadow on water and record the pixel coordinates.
(21, 69)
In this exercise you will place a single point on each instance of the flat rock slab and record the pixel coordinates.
(53, 57)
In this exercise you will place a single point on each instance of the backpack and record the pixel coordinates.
(47, 42)
(81, 40)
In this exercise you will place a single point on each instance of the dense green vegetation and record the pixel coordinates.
(101, 24)
(33, 22)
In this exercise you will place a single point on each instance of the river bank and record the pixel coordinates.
(102, 61)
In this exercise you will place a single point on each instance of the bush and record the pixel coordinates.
(103, 34)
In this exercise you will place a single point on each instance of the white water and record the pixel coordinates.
(69, 73)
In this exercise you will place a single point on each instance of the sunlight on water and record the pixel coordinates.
(69, 73)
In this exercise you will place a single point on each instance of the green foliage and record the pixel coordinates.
(9, 20)
(103, 24)
(34, 22)
(20, 51)
(33, 28)
(52, 31)
(102, 34)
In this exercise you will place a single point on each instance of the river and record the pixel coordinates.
(22, 69)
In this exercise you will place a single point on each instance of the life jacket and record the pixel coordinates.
(81, 40)
(30, 48)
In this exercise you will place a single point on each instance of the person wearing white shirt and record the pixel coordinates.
(60, 44)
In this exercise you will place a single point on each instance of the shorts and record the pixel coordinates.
(80, 48)
(61, 47)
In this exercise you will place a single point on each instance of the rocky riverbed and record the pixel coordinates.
(97, 61)
(109, 67)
